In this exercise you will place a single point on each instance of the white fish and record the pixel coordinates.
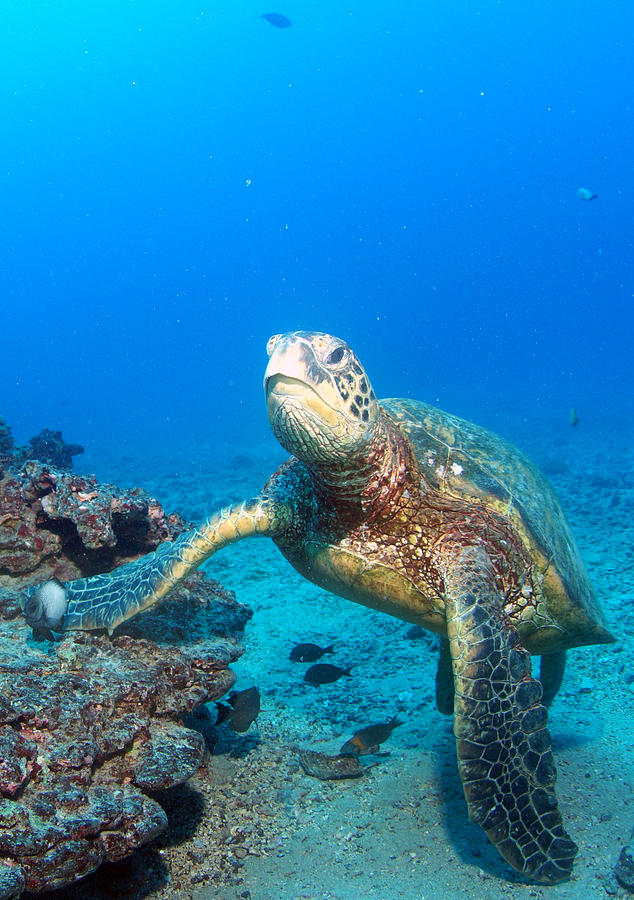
(585, 194)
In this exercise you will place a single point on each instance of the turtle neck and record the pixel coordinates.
(371, 479)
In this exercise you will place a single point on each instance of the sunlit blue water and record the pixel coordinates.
(179, 180)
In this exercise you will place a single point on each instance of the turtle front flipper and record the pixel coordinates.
(105, 601)
(503, 745)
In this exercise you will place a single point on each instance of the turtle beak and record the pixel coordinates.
(291, 357)
(281, 362)
(293, 372)
(286, 370)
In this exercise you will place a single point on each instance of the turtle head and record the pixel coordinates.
(320, 402)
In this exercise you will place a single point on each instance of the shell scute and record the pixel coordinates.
(469, 464)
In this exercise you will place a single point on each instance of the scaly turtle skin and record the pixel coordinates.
(415, 512)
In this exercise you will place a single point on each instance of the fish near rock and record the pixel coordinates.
(368, 740)
(246, 707)
(223, 713)
(309, 652)
(325, 673)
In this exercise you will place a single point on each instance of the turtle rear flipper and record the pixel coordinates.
(444, 679)
(502, 740)
(105, 601)
(551, 675)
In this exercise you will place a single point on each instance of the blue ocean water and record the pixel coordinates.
(182, 179)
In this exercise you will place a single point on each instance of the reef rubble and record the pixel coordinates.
(92, 727)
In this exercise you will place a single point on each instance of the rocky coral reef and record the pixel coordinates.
(47, 447)
(59, 525)
(90, 726)
(6, 440)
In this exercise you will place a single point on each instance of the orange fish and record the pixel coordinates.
(369, 739)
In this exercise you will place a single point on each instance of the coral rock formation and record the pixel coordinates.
(48, 447)
(59, 525)
(6, 440)
(89, 725)
(86, 728)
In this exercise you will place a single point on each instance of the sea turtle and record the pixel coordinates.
(407, 509)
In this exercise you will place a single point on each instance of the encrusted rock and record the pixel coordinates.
(50, 448)
(6, 440)
(47, 447)
(57, 524)
(89, 725)
(12, 882)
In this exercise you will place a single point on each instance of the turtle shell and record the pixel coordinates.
(469, 463)
(465, 483)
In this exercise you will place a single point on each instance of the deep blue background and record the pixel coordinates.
(179, 180)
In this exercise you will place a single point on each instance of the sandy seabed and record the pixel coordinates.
(252, 825)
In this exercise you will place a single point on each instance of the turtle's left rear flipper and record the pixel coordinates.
(502, 739)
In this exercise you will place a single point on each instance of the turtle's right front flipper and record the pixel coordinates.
(105, 601)
(504, 756)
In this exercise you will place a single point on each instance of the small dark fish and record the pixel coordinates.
(200, 720)
(277, 20)
(573, 418)
(224, 712)
(246, 706)
(309, 652)
(325, 673)
(369, 739)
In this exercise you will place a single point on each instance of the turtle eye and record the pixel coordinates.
(335, 356)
